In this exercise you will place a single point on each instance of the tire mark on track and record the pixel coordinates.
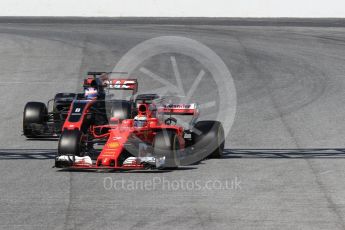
(69, 217)
(259, 73)
(200, 218)
(332, 206)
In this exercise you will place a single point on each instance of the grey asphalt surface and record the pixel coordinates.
(284, 167)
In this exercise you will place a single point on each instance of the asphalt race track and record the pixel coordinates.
(284, 163)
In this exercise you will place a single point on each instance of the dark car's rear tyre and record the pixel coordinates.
(35, 114)
(70, 143)
(166, 144)
(121, 109)
(208, 136)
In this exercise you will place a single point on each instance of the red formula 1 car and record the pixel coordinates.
(142, 133)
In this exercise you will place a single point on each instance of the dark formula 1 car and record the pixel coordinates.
(150, 137)
(38, 122)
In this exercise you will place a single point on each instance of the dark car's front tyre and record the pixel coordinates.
(70, 143)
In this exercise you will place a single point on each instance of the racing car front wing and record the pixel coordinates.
(131, 163)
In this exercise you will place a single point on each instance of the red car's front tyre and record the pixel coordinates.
(166, 144)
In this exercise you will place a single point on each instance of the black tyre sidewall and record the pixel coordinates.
(166, 144)
(210, 142)
(70, 143)
(121, 109)
(34, 113)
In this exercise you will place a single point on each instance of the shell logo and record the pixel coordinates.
(113, 145)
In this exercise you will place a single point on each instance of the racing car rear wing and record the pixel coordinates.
(115, 83)
(179, 109)
(122, 84)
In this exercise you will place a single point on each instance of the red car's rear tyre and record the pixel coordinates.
(209, 136)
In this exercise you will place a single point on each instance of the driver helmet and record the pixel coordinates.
(90, 93)
(141, 119)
